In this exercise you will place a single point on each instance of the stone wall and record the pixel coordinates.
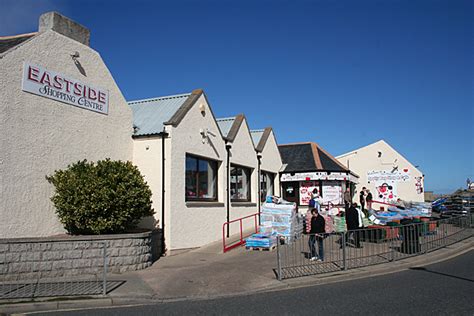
(35, 258)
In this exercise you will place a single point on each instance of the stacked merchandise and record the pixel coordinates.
(411, 210)
(300, 224)
(261, 241)
(340, 224)
(281, 219)
(460, 202)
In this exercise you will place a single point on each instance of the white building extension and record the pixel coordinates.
(211, 167)
(385, 172)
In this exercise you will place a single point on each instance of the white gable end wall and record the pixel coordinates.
(195, 226)
(365, 159)
(39, 135)
(271, 160)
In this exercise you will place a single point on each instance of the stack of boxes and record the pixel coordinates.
(280, 219)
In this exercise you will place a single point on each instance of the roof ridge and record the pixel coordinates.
(316, 157)
(17, 36)
(229, 118)
(175, 96)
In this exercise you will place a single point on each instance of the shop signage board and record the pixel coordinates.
(332, 192)
(321, 175)
(386, 176)
(59, 87)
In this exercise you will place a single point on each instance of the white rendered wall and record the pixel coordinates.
(271, 161)
(366, 159)
(39, 135)
(243, 154)
(147, 154)
(191, 226)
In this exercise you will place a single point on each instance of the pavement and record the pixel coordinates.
(207, 273)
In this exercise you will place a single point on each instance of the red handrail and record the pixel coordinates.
(241, 241)
(373, 201)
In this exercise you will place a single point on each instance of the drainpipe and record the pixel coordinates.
(163, 136)
(227, 148)
(259, 158)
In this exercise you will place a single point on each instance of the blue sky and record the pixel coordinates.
(341, 73)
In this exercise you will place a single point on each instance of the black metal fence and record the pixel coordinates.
(364, 247)
(45, 269)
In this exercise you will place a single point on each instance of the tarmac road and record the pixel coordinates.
(445, 288)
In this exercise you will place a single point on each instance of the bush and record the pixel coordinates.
(102, 198)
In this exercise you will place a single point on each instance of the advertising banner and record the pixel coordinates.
(306, 189)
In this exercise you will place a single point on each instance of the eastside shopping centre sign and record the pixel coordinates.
(53, 85)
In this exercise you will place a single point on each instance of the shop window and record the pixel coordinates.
(201, 179)
(266, 185)
(240, 184)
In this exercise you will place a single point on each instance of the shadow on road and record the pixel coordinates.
(440, 273)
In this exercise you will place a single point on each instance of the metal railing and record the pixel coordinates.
(369, 246)
(50, 269)
(226, 245)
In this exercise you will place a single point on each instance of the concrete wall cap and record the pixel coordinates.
(77, 238)
(65, 26)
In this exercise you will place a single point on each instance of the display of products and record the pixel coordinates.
(395, 213)
(281, 217)
(261, 241)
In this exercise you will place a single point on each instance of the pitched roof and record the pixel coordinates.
(260, 137)
(301, 157)
(150, 115)
(256, 135)
(8, 42)
(229, 126)
(225, 124)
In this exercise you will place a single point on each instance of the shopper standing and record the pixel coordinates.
(317, 199)
(354, 224)
(362, 199)
(316, 228)
(347, 199)
(369, 199)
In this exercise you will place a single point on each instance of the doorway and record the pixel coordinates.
(291, 192)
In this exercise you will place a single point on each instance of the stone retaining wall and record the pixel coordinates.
(35, 258)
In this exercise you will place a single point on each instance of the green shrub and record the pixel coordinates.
(102, 198)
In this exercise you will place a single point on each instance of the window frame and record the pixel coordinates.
(249, 183)
(216, 178)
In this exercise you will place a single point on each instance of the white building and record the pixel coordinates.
(385, 172)
(210, 167)
(58, 104)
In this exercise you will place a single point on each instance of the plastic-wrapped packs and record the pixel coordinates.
(281, 217)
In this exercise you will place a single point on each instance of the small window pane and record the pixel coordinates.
(266, 185)
(201, 179)
(191, 177)
(240, 183)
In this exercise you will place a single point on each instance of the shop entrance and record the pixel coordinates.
(291, 191)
